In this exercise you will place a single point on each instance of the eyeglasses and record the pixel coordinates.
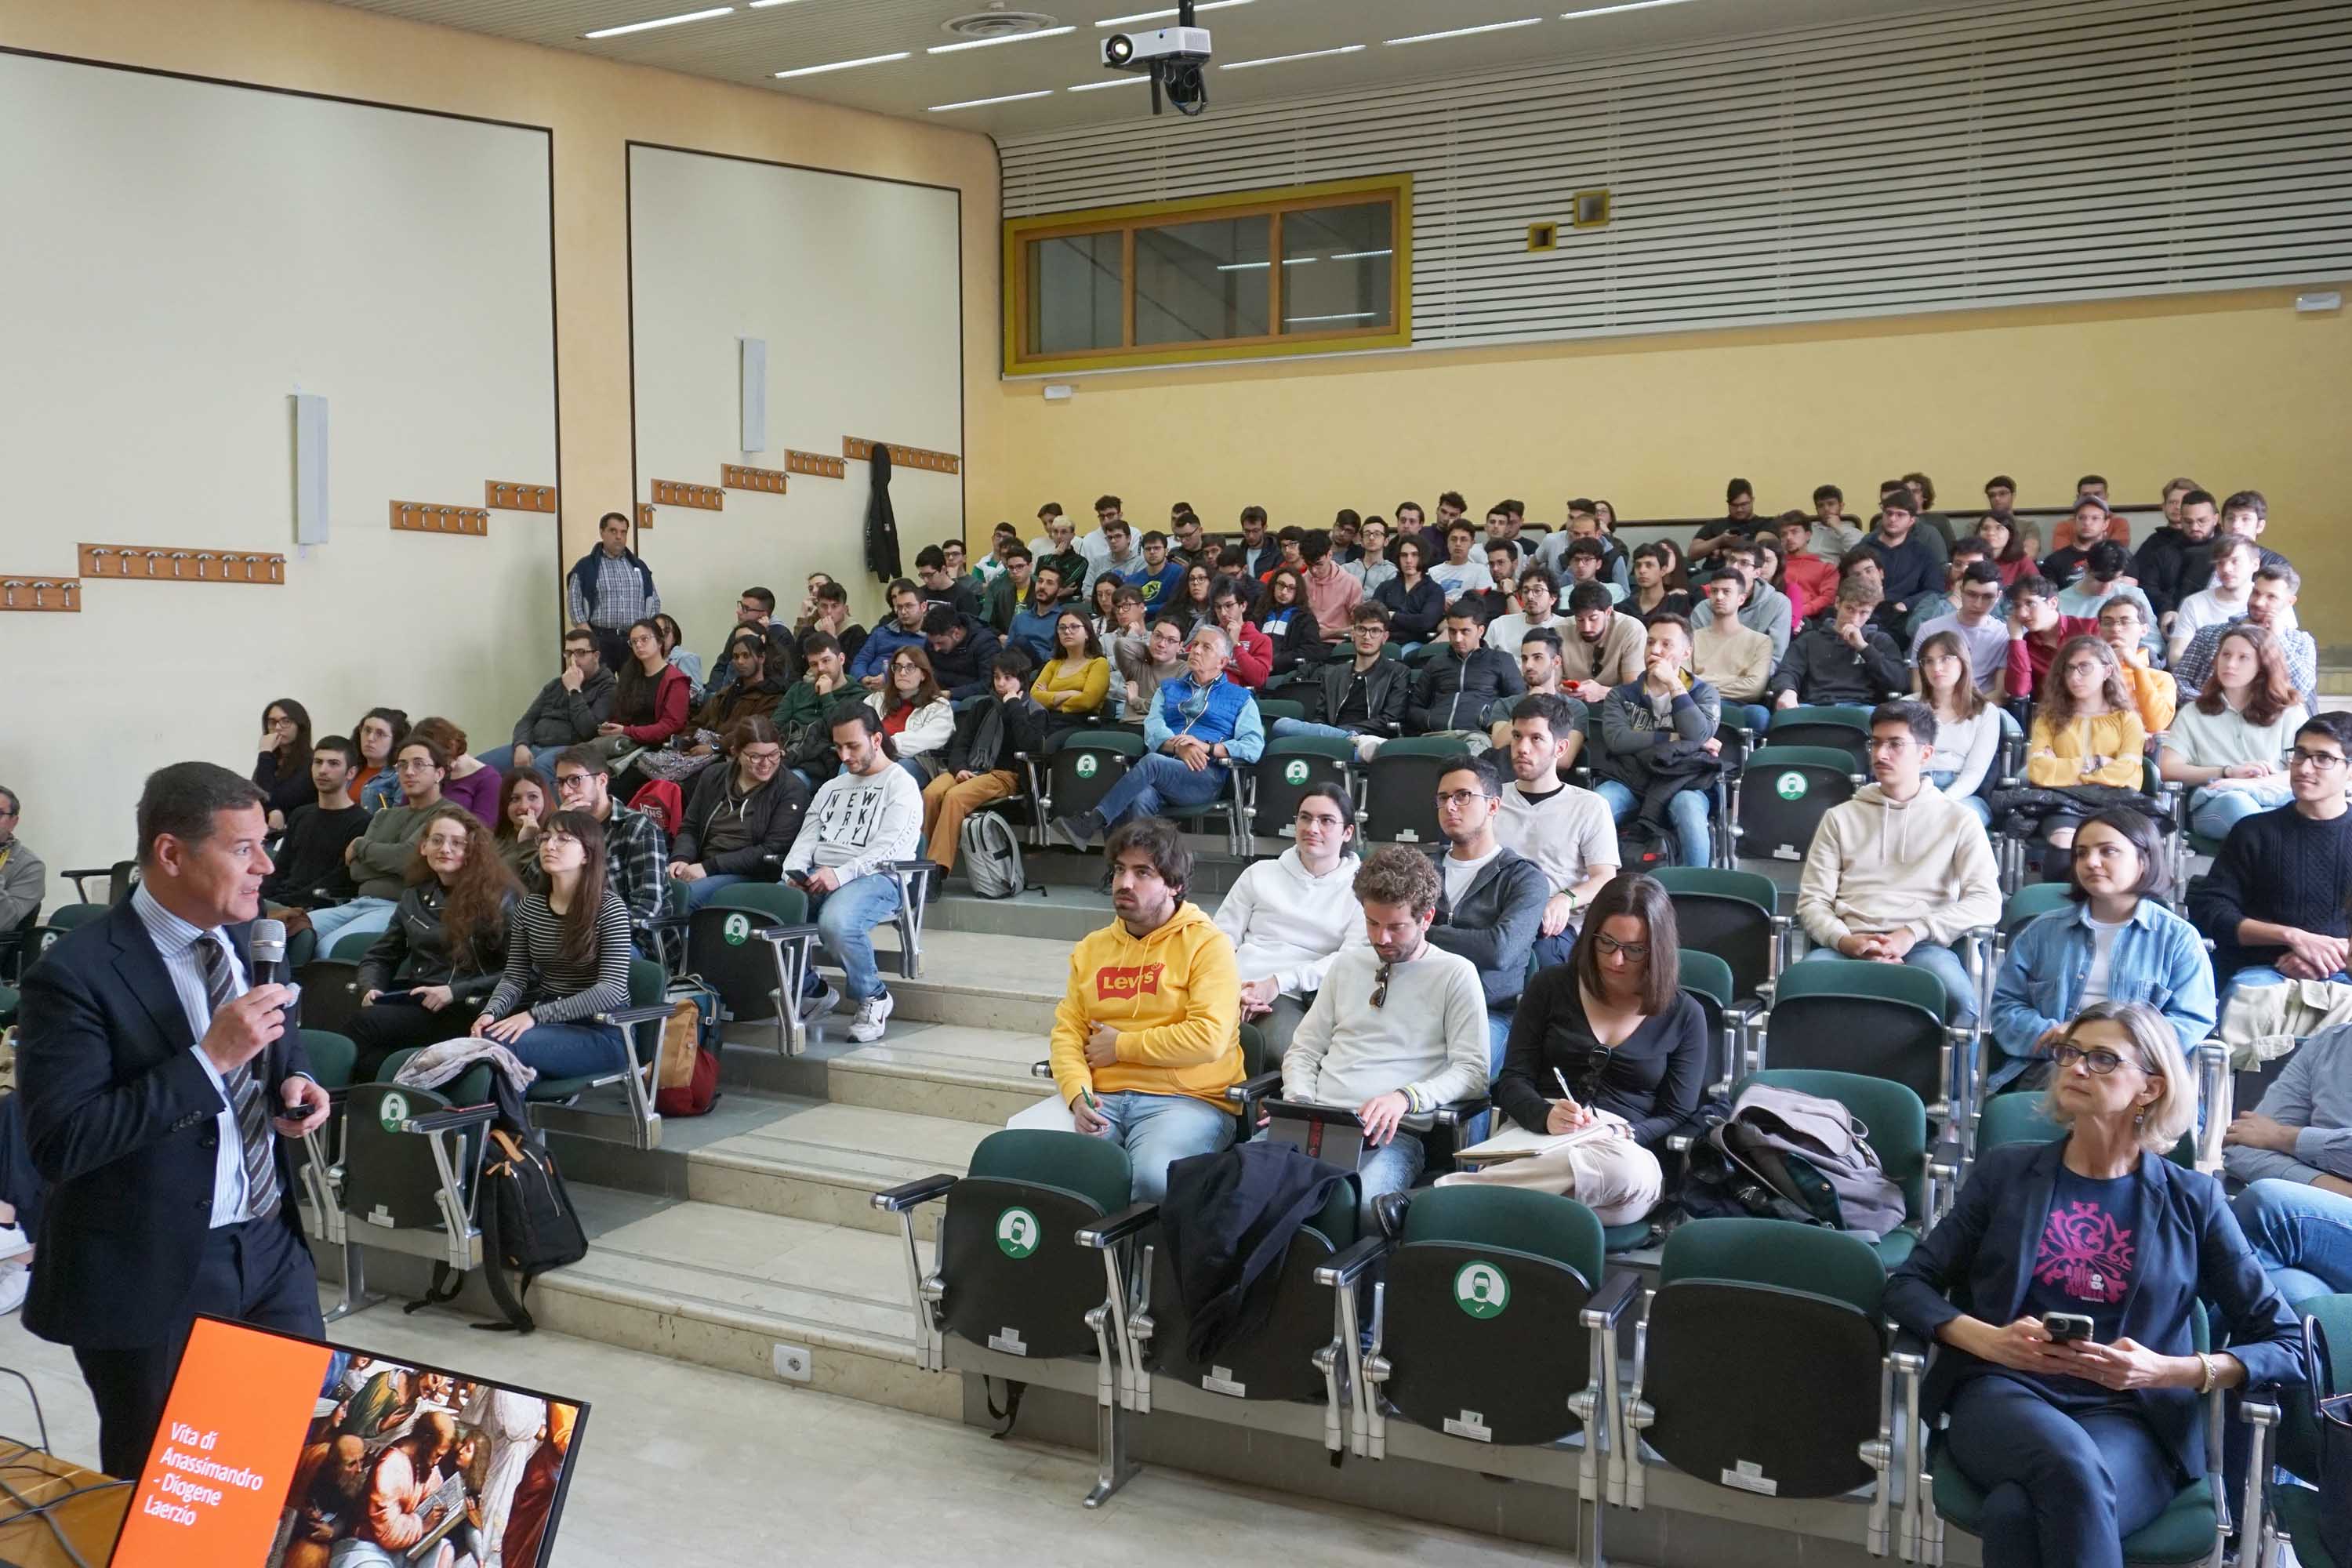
(2101, 1063)
(2302, 758)
(1381, 985)
(762, 756)
(1635, 952)
(1459, 798)
(568, 782)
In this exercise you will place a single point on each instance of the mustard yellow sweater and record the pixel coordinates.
(1175, 998)
(1071, 685)
(2057, 752)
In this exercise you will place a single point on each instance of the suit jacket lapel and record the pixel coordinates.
(144, 977)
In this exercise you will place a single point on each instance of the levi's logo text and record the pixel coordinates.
(1116, 981)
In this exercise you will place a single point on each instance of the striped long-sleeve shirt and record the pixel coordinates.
(555, 989)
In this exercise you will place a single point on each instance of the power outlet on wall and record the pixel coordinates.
(792, 1363)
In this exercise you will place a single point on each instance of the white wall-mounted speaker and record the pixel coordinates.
(755, 394)
(310, 468)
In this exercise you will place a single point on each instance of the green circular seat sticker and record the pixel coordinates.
(1016, 1233)
(391, 1111)
(1087, 764)
(737, 930)
(1790, 787)
(1481, 1289)
(1294, 772)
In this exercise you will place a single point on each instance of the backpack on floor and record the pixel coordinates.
(992, 856)
(1643, 845)
(687, 1081)
(1789, 1155)
(529, 1225)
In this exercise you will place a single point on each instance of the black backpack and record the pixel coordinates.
(529, 1225)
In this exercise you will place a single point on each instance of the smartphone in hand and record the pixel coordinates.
(2065, 1327)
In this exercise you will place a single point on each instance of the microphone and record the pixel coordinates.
(268, 943)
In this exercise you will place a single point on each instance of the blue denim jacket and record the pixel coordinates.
(2158, 958)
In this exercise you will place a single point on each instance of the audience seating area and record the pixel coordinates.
(1737, 1368)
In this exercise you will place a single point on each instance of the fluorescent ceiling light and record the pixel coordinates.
(1121, 80)
(1359, 255)
(1465, 32)
(1162, 15)
(1342, 316)
(985, 102)
(841, 65)
(992, 43)
(1298, 260)
(660, 22)
(764, 4)
(1612, 10)
(1245, 266)
(1285, 59)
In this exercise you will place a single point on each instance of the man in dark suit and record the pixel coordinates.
(151, 1073)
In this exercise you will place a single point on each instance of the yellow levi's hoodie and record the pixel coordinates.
(1175, 998)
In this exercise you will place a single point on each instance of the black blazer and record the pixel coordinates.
(118, 1115)
(2189, 1249)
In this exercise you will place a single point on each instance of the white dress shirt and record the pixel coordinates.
(175, 943)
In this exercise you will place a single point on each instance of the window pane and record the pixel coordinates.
(1199, 281)
(1074, 293)
(1338, 267)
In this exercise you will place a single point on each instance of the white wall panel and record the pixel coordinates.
(856, 286)
(1995, 154)
(179, 258)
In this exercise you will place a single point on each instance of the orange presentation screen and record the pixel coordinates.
(277, 1452)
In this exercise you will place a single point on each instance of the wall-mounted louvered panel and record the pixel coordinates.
(2002, 155)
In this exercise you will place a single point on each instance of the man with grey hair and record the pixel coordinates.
(1198, 727)
(23, 877)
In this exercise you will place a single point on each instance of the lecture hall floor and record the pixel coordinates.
(699, 1469)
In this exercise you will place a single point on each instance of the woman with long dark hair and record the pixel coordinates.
(1415, 602)
(567, 959)
(1612, 1025)
(756, 663)
(2087, 731)
(651, 697)
(1288, 623)
(282, 771)
(1074, 682)
(1967, 726)
(523, 806)
(379, 737)
(2006, 542)
(916, 714)
(426, 976)
(674, 650)
(2230, 744)
(472, 782)
(1194, 604)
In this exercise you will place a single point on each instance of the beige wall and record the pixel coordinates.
(2235, 390)
(595, 110)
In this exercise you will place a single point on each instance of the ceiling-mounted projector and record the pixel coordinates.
(1173, 58)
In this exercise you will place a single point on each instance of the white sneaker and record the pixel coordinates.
(12, 1240)
(871, 1014)
(825, 1000)
(15, 1279)
(1366, 745)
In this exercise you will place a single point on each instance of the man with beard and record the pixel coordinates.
(326, 1500)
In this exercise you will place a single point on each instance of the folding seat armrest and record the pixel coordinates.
(81, 895)
(456, 1119)
(772, 868)
(625, 1017)
(1948, 1153)
(780, 934)
(1609, 1304)
(1350, 1266)
(913, 1194)
(1456, 1112)
(1251, 1092)
(1132, 1220)
(1041, 1067)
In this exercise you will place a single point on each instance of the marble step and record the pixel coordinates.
(792, 1157)
(976, 979)
(743, 1292)
(951, 1071)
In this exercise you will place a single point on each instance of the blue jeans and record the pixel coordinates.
(1975, 802)
(845, 918)
(1945, 966)
(542, 761)
(2061, 1491)
(359, 916)
(1392, 1168)
(1283, 729)
(572, 1050)
(1754, 717)
(2302, 1237)
(701, 892)
(2213, 812)
(915, 770)
(1689, 809)
(2264, 974)
(1156, 781)
(1156, 1129)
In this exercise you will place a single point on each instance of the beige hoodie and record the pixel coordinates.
(1924, 865)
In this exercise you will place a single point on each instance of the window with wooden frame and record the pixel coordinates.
(1311, 270)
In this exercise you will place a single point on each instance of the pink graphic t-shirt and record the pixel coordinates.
(2085, 1261)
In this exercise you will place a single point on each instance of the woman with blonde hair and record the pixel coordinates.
(2230, 742)
(1967, 726)
(2078, 1438)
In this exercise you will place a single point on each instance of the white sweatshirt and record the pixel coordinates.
(1428, 1036)
(929, 728)
(1288, 925)
(860, 823)
(1924, 865)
